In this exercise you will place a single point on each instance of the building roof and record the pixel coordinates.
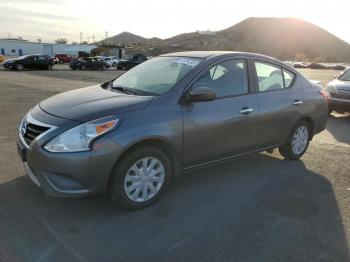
(80, 48)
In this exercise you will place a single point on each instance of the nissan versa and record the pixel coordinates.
(130, 136)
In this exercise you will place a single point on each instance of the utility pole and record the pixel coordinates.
(9, 35)
(81, 37)
(93, 38)
(106, 34)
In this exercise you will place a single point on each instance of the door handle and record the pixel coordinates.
(297, 102)
(246, 110)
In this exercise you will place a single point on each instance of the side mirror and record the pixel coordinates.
(201, 94)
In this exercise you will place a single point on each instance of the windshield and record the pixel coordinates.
(345, 76)
(157, 76)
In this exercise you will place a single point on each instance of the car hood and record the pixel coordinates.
(339, 84)
(11, 60)
(89, 103)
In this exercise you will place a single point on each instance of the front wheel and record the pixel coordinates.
(19, 67)
(140, 178)
(297, 142)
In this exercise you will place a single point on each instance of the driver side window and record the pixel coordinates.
(228, 78)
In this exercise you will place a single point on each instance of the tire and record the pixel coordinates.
(61, 62)
(291, 149)
(82, 67)
(127, 188)
(114, 64)
(103, 67)
(19, 67)
(49, 67)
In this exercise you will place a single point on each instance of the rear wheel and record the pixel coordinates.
(114, 64)
(297, 142)
(83, 67)
(140, 178)
(19, 67)
(103, 67)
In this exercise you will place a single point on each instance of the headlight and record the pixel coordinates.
(331, 88)
(79, 138)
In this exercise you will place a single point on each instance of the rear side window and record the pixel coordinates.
(228, 78)
(269, 76)
(288, 78)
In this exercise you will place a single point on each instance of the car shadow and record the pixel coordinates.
(257, 208)
(339, 125)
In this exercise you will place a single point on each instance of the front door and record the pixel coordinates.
(225, 126)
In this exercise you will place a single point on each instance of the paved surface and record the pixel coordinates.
(257, 208)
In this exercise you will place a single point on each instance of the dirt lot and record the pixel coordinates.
(257, 208)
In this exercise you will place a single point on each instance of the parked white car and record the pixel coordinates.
(111, 60)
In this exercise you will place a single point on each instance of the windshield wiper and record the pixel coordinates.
(124, 90)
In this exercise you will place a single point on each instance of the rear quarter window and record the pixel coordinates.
(288, 78)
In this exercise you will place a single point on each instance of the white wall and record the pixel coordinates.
(27, 48)
(36, 48)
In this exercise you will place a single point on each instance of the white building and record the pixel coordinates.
(14, 47)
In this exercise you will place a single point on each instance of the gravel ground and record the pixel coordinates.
(256, 208)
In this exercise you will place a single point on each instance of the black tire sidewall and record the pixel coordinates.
(287, 149)
(19, 65)
(117, 182)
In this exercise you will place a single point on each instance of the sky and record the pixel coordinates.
(53, 19)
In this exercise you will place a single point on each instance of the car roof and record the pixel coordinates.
(207, 54)
(215, 54)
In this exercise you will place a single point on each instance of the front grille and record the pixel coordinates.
(341, 95)
(32, 131)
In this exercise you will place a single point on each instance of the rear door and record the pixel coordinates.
(226, 126)
(43, 62)
(279, 102)
(31, 62)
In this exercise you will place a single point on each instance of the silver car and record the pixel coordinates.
(339, 93)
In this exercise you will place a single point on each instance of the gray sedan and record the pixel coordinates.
(339, 91)
(129, 137)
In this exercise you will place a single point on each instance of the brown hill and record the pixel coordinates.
(124, 38)
(284, 38)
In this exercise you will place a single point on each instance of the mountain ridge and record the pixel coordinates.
(285, 38)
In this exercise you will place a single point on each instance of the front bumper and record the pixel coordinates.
(7, 66)
(69, 175)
